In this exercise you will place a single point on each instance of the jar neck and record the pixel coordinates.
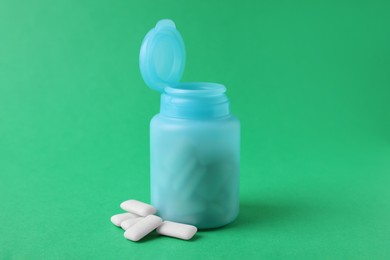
(195, 102)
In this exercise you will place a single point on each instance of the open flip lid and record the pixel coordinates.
(162, 56)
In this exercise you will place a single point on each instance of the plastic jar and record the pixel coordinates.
(194, 140)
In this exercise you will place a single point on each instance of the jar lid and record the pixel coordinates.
(162, 56)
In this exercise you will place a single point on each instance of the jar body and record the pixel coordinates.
(195, 169)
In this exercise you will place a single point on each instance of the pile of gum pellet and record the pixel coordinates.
(139, 220)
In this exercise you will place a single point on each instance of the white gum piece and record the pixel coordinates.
(119, 218)
(177, 230)
(125, 225)
(138, 207)
(143, 227)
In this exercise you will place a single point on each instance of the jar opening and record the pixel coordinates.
(195, 100)
(198, 89)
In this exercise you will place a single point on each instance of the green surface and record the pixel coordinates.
(309, 81)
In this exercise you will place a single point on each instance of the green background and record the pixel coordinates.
(308, 80)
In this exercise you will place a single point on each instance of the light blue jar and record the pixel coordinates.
(194, 140)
